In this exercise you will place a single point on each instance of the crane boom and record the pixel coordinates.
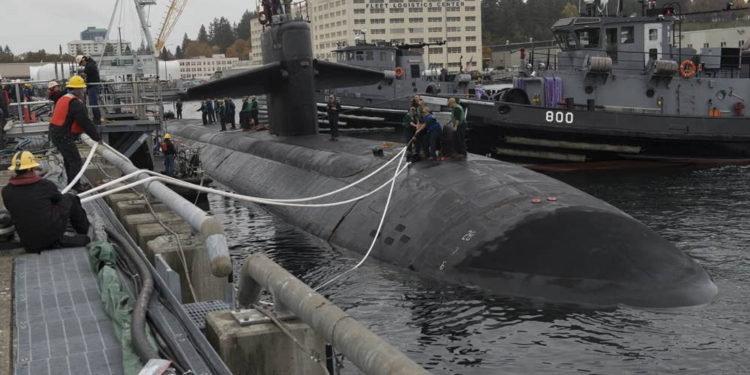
(170, 20)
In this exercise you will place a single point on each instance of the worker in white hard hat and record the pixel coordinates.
(69, 120)
(55, 92)
(91, 73)
(39, 211)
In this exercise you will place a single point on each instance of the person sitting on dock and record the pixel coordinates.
(39, 211)
(69, 120)
(170, 152)
(458, 122)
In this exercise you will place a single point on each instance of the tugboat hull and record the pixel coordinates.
(530, 132)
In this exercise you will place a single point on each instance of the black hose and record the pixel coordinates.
(138, 324)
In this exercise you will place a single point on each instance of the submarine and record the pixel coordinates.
(479, 223)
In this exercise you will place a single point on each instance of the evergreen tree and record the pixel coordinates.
(178, 53)
(7, 50)
(185, 41)
(242, 30)
(202, 35)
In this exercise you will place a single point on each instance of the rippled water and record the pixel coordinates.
(449, 330)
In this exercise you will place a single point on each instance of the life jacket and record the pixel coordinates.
(61, 114)
(164, 146)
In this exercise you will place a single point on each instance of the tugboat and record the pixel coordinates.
(386, 102)
(620, 88)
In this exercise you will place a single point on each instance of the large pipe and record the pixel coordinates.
(208, 226)
(367, 351)
(138, 323)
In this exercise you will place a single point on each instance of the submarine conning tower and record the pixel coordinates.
(288, 77)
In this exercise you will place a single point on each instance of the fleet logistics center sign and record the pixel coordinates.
(426, 4)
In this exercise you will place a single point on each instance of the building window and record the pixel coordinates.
(397, 20)
(453, 29)
(453, 19)
(471, 39)
(435, 40)
(471, 49)
(454, 65)
(377, 20)
(396, 10)
(471, 18)
(377, 31)
(397, 41)
(452, 9)
(359, 11)
(454, 49)
(397, 31)
(359, 1)
(359, 21)
(435, 19)
(469, 28)
(415, 10)
(416, 20)
(435, 29)
(377, 10)
(416, 40)
(434, 9)
(723, 44)
(416, 29)
(435, 51)
(468, 9)
(454, 39)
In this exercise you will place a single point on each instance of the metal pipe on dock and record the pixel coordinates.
(207, 225)
(367, 351)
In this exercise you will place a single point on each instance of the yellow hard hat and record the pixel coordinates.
(167, 136)
(76, 82)
(23, 160)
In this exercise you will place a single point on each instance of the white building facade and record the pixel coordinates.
(337, 23)
(733, 37)
(204, 67)
(97, 47)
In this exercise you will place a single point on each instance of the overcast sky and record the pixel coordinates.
(45, 24)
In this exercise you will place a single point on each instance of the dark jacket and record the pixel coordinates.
(33, 205)
(91, 71)
(333, 108)
(77, 111)
(55, 95)
(168, 147)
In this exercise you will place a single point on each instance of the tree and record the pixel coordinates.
(202, 35)
(178, 53)
(570, 10)
(165, 55)
(220, 33)
(196, 49)
(7, 50)
(185, 41)
(242, 30)
(240, 48)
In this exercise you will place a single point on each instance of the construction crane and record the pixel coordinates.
(167, 25)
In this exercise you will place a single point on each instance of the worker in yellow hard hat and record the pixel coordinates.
(170, 152)
(69, 120)
(39, 211)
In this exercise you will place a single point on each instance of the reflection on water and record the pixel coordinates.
(450, 330)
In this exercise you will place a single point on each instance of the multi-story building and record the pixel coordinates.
(97, 46)
(731, 37)
(204, 67)
(337, 23)
(92, 33)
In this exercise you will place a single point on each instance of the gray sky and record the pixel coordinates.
(45, 24)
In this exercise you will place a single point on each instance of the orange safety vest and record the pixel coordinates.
(61, 113)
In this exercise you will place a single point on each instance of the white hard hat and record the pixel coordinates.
(79, 58)
(52, 84)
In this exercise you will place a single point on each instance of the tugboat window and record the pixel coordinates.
(414, 70)
(369, 56)
(588, 38)
(360, 55)
(653, 34)
(626, 35)
(612, 44)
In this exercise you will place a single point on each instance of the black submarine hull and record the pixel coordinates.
(481, 223)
